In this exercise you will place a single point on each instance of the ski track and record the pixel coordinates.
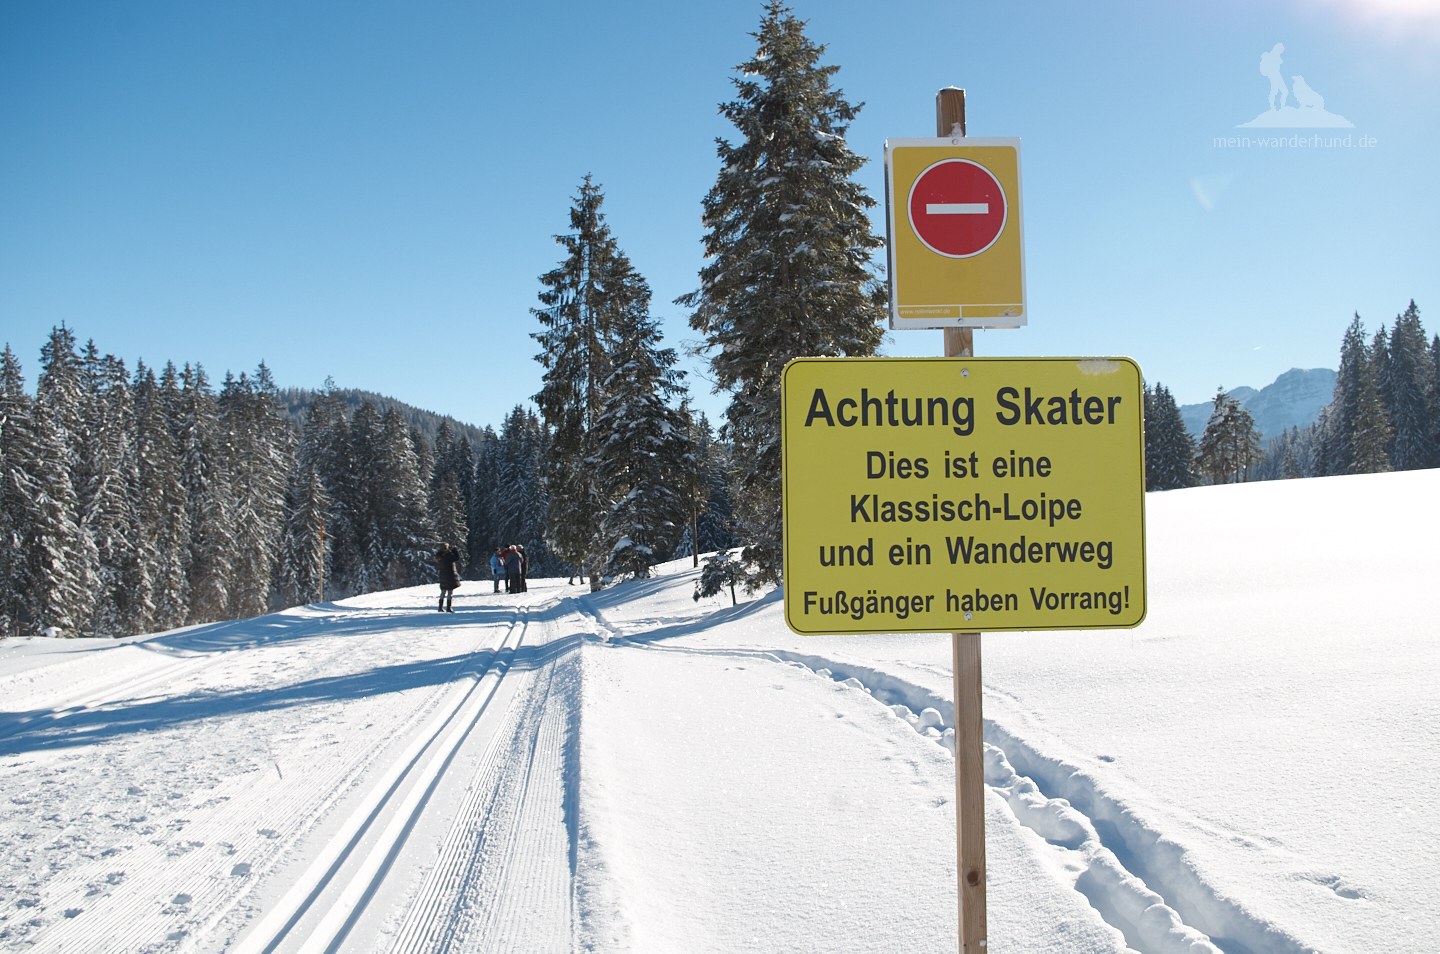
(1138, 880)
(169, 894)
(420, 767)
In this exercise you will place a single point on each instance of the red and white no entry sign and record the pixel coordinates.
(957, 208)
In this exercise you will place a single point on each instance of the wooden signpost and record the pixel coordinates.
(955, 494)
(965, 665)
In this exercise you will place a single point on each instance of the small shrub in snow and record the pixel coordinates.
(721, 570)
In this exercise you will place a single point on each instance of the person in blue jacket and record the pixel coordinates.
(497, 568)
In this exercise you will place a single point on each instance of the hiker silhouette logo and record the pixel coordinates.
(1308, 114)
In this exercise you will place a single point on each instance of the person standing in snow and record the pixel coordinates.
(497, 568)
(512, 570)
(447, 557)
(524, 569)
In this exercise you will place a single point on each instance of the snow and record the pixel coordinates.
(1251, 770)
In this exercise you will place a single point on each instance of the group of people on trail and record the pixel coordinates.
(509, 563)
(512, 564)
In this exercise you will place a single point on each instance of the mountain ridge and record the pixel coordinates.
(1293, 399)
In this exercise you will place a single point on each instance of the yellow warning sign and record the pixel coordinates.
(956, 494)
(956, 233)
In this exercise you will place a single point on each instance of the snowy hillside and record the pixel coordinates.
(1248, 771)
(1294, 399)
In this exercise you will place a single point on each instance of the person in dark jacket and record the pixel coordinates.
(447, 557)
(512, 570)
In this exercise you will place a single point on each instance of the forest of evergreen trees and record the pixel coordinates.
(140, 502)
(1385, 415)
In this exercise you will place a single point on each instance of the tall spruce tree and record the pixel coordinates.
(107, 499)
(1408, 393)
(585, 300)
(209, 504)
(1169, 448)
(16, 440)
(402, 505)
(1345, 404)
(161, 505)
(1370, 431)
(791, 245)
(447, 500)
(1230, 446)
(60, 397)
(260, 450)
(643, 455)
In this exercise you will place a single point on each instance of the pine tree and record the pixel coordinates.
(693, 485)
(1408, 393)
(305, 559)
(643, 453)
(54, 589)
(1230, 445)
(1338, 453)
(369, 557)
(333, 454)
(447, 501)
(161, 508)
(209, 505)
(107, 499)
(485, 535)
(586, 299)
(401, 504)
(520, 502)
(259, 449)
(61, 404)
(1434, 404)
(791, 246)
(16, 448)
(1169, 448)
(1371, 429)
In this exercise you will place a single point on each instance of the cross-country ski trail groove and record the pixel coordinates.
(335, 883)
(1142, 897)
(178, 891)
(502, 881)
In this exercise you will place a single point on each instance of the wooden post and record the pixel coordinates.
(965, 653)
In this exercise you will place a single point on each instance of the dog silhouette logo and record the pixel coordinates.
(1309, 114)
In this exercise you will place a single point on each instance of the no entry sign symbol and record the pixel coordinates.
(957, 208)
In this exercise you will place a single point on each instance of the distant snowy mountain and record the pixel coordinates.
(1292, 400)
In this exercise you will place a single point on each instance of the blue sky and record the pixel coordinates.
(369, 190)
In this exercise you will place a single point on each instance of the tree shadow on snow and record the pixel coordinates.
(728, 614)
(50, 729)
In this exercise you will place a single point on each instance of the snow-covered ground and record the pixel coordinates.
(1251, 770)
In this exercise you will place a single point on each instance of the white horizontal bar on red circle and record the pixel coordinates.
(957, 208)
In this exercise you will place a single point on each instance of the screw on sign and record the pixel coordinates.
(957, 208)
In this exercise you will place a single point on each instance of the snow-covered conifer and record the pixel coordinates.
(16, 439)
(585, 299)
(107, 498)
(1337, 452)
(161, 507)
(790, 245)
(260, 449)
(1408, 393)
(1370, 432)
(447, 501)
(1230, 446)
(643, 456)
(401, 503)
(208, 501)
(1169, 448)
